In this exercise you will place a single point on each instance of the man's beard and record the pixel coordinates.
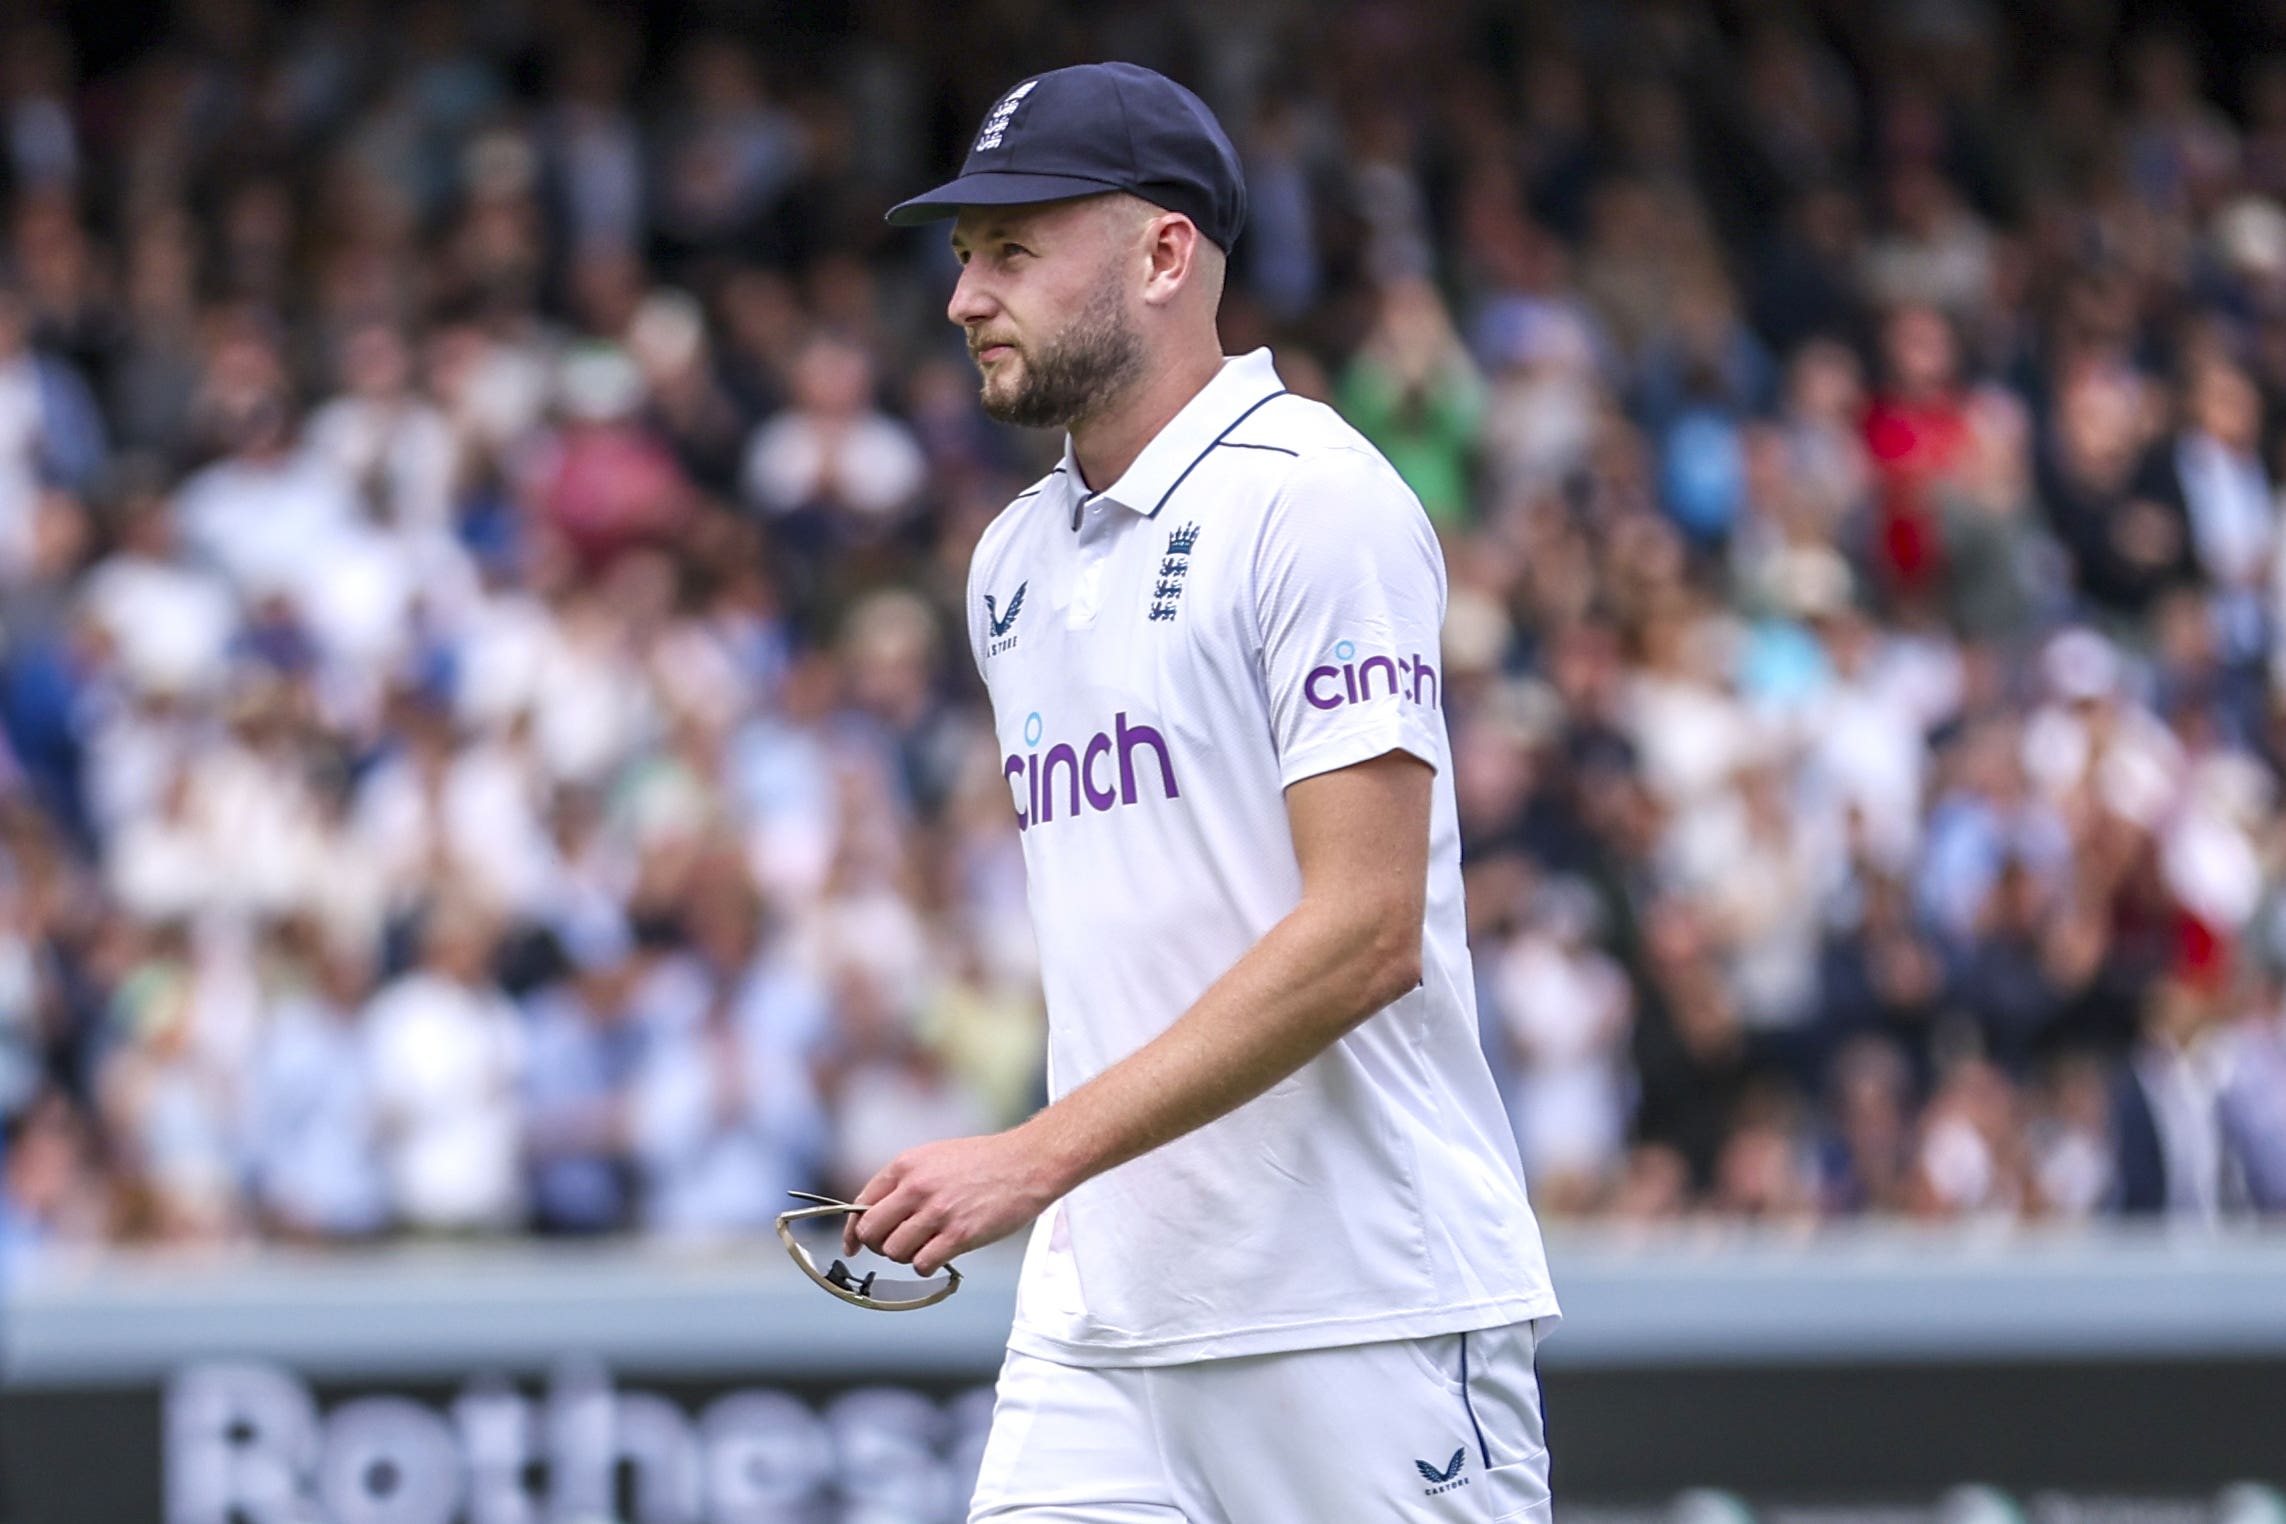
(1077, 373)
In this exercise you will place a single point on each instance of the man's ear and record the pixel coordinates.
(1172, 249)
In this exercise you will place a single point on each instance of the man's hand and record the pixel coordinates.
(942, 1199)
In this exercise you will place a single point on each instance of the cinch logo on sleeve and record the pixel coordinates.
(1104, 772)
(1410, 678)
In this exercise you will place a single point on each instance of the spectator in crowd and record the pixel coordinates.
(1969, 1160)
(1865, 1158)
(51, 436)
(831, 467)
(730, 151)
(169, 1085)
(2124, 529)
(610, 484)
(54, 1197)
(1690, 1048)
(1880, 977)
(2002, 566)
(725, 1114)
(266, 513)
(167, 622)
(313, 1139)
(586, 1045)
(1413, 390)
(447, 1053)
(1567, 1008)
(2226, 494)
(1916, 434)
(2254, 1098)
(2170, 1129)
(2075, 1161)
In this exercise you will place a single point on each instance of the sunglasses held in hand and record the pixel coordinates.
(879, 1292)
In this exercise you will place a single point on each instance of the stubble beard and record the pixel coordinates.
(1077, 374)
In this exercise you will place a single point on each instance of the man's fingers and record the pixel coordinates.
(876, 1189)
(938, 1254)
(869, 1228)
(912, 1235)
(885, 1217)
(860, 1230)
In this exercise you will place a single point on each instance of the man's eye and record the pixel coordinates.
(1010, 250)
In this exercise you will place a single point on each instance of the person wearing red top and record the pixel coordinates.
(1917, 433)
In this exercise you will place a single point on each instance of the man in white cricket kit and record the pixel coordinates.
(1283, 1270)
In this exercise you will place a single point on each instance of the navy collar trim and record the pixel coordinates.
(1079, 504)
(1210, 449)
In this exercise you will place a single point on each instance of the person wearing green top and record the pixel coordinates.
(1413, 390)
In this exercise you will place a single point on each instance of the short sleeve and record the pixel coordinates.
(1349, 594)
(971, 609)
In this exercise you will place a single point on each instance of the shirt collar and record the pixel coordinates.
(1243, 384)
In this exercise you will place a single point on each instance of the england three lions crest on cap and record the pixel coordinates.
(1001, 115)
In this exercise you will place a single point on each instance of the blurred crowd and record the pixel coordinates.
(485, 504)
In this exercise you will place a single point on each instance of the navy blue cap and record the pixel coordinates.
(1093, 128)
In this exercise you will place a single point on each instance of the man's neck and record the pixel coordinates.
(1107, 444)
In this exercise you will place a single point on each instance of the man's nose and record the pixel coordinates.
(970, 303)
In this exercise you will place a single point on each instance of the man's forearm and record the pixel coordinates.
(1353, 944)
(1315, 975)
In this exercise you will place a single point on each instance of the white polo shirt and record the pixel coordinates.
(1256, 601)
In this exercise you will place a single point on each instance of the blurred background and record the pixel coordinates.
(492, 790)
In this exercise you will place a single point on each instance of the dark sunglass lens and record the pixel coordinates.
(875, 1286)
(885, 1290)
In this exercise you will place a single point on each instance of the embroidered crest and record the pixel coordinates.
(1001, 623)
(1001, 115)
(1167, 595)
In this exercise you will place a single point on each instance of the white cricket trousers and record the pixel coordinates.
(1443, 1429)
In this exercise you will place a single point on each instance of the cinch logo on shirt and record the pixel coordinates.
(1069, 775)
(1410, 678)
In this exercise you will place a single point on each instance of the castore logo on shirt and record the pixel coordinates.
(1444, 1480)
(1002, 623)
